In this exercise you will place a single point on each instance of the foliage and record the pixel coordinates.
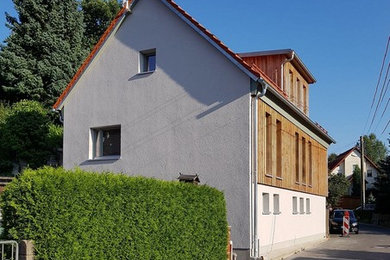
(332, 157)
(48, 42)
(43, 50)
(382, 185)
(27, 136)
(81, 215)
(356, 181)
(373, 148)
(98, 14)
(338, 186)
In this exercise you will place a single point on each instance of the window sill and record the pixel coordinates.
(106, 158)
(266, 213)
(279, 178)
(145, 73)
(295, 213)
(269, 175)
(277, 213)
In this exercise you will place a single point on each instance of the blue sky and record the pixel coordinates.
(341, 42)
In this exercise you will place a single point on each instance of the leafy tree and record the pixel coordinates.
(338, 186)
(27, 136)
(332, 157)
(98, 14)
(382, 185)
(43, 51)
(356, 181)
(375, 149)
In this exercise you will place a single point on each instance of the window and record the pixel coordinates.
(268, 143)
(355, 166)
(295, 205)
(290, 84)
(266, 204)
(303, 160)
(301, 206)
(296, 157)
(305, 98)
(106, 142)
(278, 149)
(147, 61)
(308, 206)
(369, 173)
(276, 204)
(310, 166)
(299, 95)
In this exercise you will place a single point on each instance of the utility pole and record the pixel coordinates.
(363, 179)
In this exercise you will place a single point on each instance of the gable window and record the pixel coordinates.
(105, 142)
(369, 173)
(147, 61)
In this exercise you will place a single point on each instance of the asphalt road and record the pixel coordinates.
(372, 243)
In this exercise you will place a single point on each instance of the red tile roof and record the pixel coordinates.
(341, 157)
(253, 69)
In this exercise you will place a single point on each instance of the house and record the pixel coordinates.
(346, 162)
(160, 95)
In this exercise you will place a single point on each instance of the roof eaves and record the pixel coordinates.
(341, 158)
(90, 57)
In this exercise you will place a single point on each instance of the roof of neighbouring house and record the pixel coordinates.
(341, 157)
(253, 71)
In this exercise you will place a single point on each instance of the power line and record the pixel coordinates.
(385, 127)
(380, 96)
(377, 84)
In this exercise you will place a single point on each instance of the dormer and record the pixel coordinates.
(287, 71)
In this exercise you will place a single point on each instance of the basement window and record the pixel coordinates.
(276, 204)
(301, 206)
(266, 204)
(147, 61)
(295, 205)
(105, 142)
(308, 206)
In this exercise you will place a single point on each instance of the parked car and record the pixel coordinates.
(336, 221)
(367, 207)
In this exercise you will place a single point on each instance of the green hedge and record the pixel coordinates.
(83, 215)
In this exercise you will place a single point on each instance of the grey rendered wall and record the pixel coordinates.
(191, 115)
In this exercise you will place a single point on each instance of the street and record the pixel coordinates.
(371, 243)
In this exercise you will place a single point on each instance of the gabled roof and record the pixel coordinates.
(341, 157)
(254, 72)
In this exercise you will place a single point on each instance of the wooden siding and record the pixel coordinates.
(287, 158)
(270, 65)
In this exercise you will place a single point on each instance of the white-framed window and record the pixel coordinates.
(301, 206)
(308, 206)
(105, 142)
(266, 204)
(294, 205)
(147, 61)
(276, 204)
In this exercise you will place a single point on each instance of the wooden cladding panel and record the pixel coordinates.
(287, 157)
(270, 65)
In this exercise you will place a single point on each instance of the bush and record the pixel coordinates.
(82, 215)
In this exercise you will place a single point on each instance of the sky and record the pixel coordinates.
(342, 43)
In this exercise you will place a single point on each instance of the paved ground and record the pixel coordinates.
(372, 243)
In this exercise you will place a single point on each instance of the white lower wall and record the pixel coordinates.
(284, 232)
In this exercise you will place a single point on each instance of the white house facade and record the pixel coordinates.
(161, 95)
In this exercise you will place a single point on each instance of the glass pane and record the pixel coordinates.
(111, 142)
(151, 61)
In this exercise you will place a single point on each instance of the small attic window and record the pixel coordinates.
(147, 61)
(194, 179)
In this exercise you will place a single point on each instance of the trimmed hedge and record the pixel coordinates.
(82, 215)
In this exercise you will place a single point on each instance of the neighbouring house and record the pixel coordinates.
(346, 162)
(160, 95)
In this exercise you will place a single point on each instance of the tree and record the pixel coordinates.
(338, 186)
(356, 181)
(375, 149)
(98, 14)
(43, 51)
(332, 157)
(27, 136)
(382, 185)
